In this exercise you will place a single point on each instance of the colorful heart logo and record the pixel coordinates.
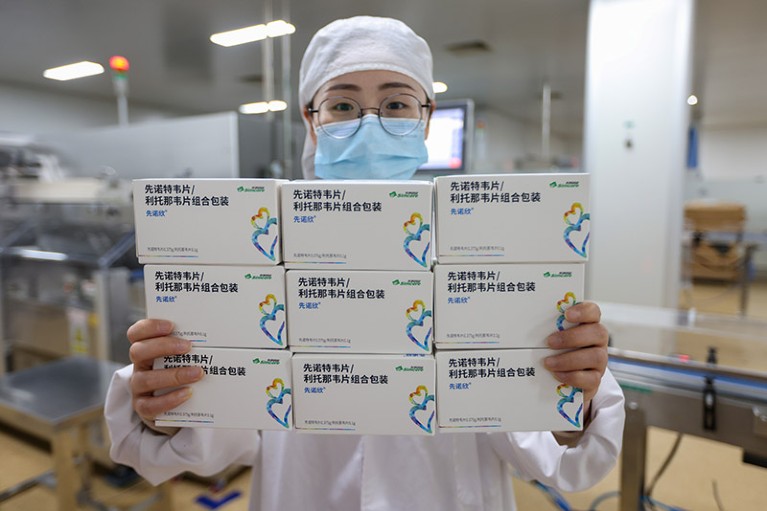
(414, 244)
(262, 222)
(577, 232)
(270, 310)
(423, 404)
(279, 398)
(276, 389)
(562, 305)
(419, 319)
(413, 226)
(567, 396)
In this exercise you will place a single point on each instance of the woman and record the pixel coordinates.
(366, 84)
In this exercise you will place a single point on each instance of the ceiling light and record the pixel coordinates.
(279, 28)
(261, 107)
(692, 100)
(72, 71)
(439, 87)
(254, 33)
(240, 36)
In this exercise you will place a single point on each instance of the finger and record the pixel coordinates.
(143, 353)
(148, 328)
(577, 360)
(581, 336)
(149, 407)
(147, 382)
(584, 312)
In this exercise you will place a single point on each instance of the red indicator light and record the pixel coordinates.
(119, 64)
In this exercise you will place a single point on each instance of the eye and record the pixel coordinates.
(396, 105)
(342, 107)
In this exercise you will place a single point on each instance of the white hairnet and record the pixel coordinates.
(361, 43)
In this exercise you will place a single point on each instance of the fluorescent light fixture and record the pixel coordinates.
(72, 71)
(254, 33)
(262, 107)
(279, 28)
(277, 106)
(240, 36)
(254, 108)
(439, 87)
(692, 100)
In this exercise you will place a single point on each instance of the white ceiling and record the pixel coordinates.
(174, 66)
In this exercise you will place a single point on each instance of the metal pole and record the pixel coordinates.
(121, 90)
(546, 124)
(267, 58)
(633, 458)
(287, 124)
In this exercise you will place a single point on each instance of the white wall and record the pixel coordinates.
(733, 152)
(30, 111)
(500, 141)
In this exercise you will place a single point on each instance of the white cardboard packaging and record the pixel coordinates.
(207, 221)
(503, 305)
(243, 389)
(357, 225)
(512, 218)
(365, 394)
(360, 311)
(503, 390)
(220, 306)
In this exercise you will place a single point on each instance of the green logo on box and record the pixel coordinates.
(267, 361)
(256, 189)
(263, 276)
(565, 184)
(403, 195)
(411, 282)
(411, 368)
(561, 275)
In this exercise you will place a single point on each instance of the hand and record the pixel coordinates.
(584, 366)
(150, 339)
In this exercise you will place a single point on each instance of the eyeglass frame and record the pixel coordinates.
(361, 114)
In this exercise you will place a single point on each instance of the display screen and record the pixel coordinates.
(446, 143)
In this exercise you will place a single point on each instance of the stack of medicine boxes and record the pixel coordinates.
(510, 260)
(360, 319)
(212, 249)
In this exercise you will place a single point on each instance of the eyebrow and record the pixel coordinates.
(395, 85)
(357, 88)
(344, 86)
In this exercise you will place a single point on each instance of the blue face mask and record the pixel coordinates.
(371, 153)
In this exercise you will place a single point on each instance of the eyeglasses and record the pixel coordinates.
(341, 117)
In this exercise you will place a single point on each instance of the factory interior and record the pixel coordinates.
(661, 102)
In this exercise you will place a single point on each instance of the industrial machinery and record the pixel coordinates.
(67, 260)
(696, 374)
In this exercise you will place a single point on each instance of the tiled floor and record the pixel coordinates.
(689, 482)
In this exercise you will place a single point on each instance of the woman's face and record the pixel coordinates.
(369, 89)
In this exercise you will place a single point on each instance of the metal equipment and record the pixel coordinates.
(66, 260)
(697, 374)
(58, 402)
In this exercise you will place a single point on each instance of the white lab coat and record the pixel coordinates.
(308, 472)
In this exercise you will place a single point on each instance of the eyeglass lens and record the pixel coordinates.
(397, 114)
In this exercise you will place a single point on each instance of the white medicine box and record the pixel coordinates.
(357, 225)
(220, 306)
(484, 306)
(360, 311)
(207, 221)
(503, 390)
(242, 389)
(513, 218)
(365, 394)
